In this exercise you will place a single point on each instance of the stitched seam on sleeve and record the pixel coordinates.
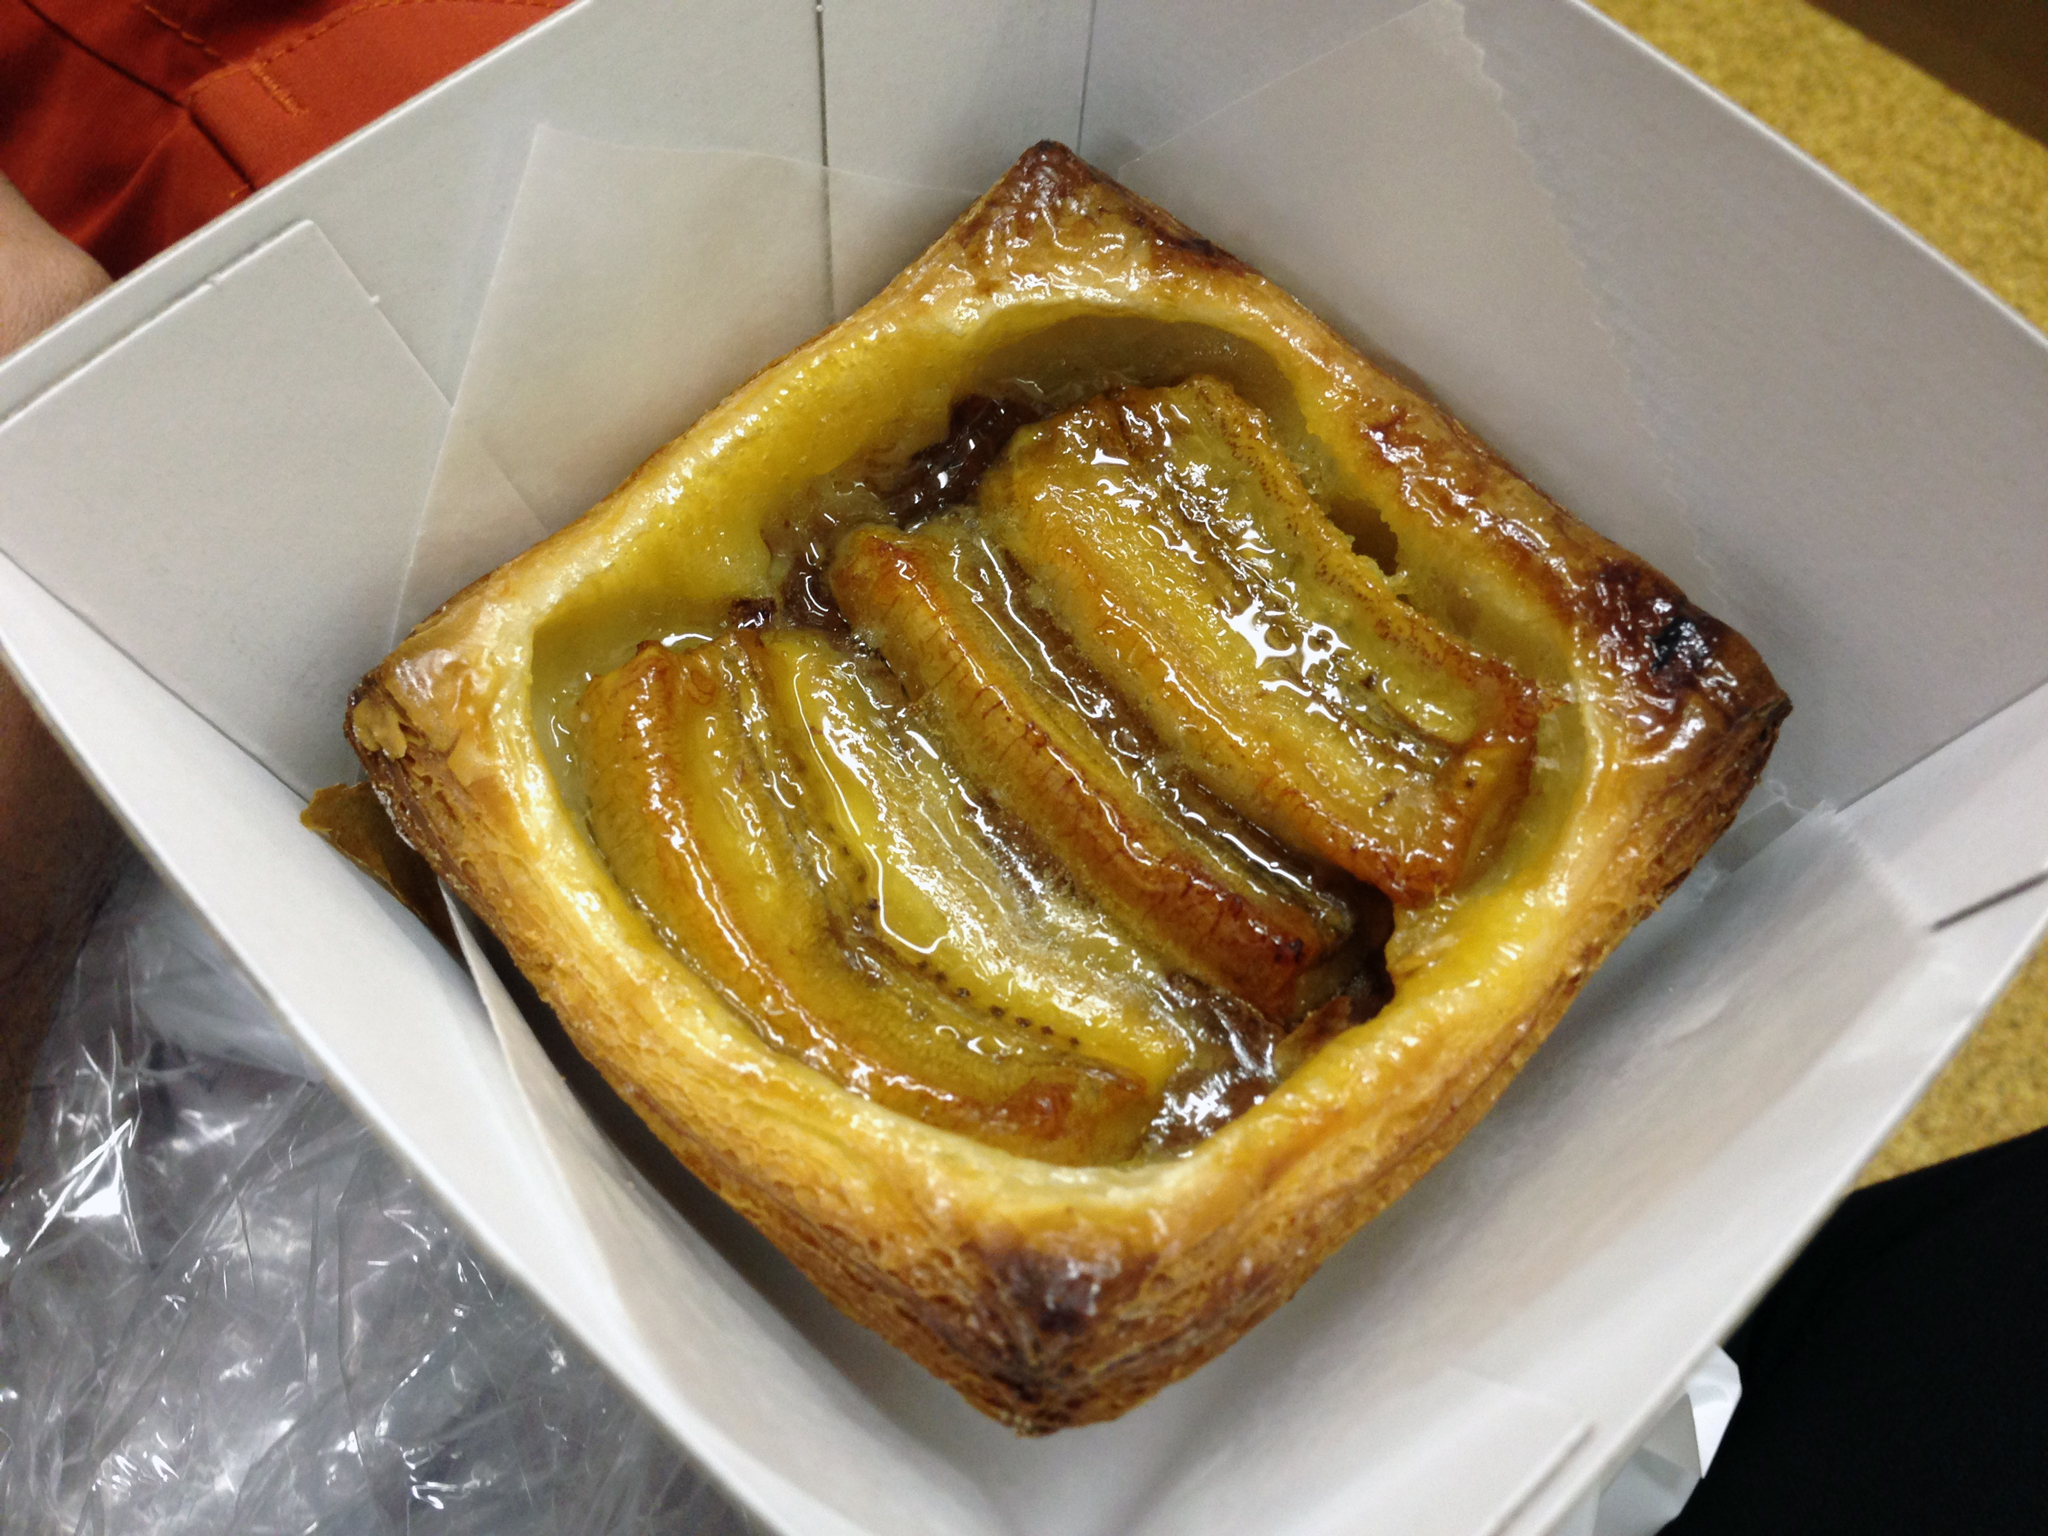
(182, 32)
(269, 82)
(378, 5)
(154, 88)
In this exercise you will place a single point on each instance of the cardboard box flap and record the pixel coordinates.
(1454, 1452)
(1854, 427)
(418, 204)
(635, 287)
(1968, 824)
(944, 94)
(473, 522)
(880, 225)
(246, 533)
(1158, 67)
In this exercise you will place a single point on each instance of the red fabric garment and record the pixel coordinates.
(130, 123)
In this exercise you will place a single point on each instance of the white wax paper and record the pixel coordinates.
(635, 287)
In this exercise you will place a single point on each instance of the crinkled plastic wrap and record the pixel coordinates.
(224, 1308)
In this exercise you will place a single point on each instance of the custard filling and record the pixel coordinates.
(1065, 797)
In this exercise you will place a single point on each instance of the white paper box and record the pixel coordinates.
(226, 484)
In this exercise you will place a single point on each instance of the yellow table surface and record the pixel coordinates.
(1977, 190)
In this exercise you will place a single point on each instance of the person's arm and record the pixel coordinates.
(58, 847)
(43, 276)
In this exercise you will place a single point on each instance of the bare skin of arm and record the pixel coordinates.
(59, 849)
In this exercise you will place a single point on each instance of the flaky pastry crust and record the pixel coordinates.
(1055, 1296)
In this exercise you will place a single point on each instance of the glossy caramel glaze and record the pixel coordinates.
(770, 802)
(712, 797)
(1184, 555)
(933, 604)
(1064, 1292)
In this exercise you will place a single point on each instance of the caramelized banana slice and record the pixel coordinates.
(937, 891)
(1168, 534)
(702, 810)
(922, 599)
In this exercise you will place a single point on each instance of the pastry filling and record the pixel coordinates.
(1065, 794)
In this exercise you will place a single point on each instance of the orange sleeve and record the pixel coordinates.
(130, 123)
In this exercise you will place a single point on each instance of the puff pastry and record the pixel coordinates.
(1063, 797)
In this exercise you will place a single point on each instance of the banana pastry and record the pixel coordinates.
(1063, 797)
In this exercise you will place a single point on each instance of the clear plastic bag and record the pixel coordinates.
(224, 1308)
